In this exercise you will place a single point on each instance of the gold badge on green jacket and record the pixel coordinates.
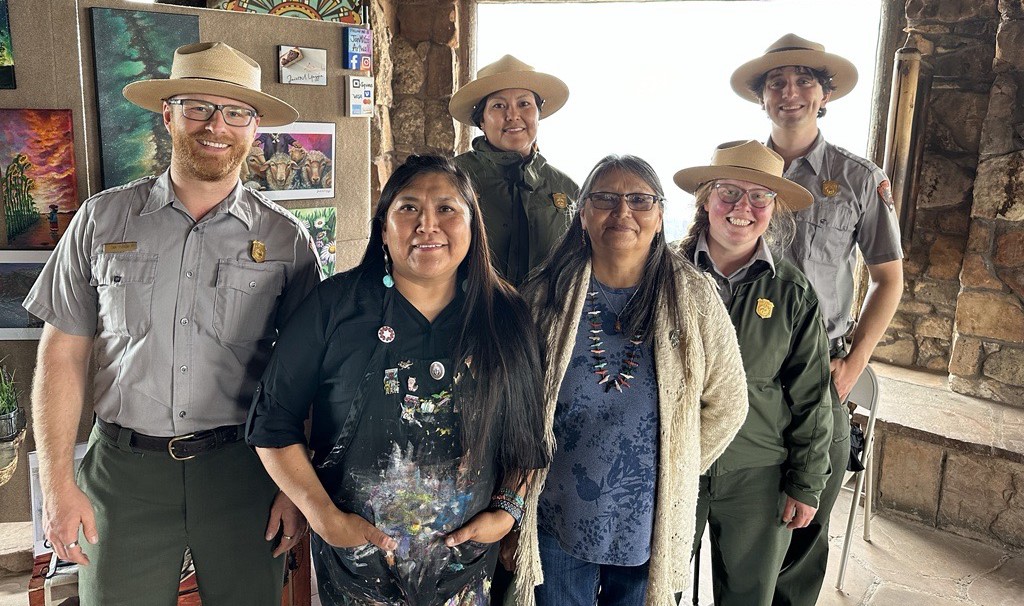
(764, 308)
(829, 187)
(561, 201)
(258, 251)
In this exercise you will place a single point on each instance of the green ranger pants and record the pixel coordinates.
(149, 507)
(743, 513)
(803, 570)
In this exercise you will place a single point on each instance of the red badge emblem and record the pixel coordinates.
(885, 192)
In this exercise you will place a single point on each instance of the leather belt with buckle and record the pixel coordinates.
(180, 448)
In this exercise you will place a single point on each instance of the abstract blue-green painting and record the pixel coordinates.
(6, 51)
(129, 46)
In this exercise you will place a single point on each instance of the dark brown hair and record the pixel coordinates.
(478, 110)
(823, 77)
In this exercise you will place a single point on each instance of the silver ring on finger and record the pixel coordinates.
(71, 545)
(286, 537)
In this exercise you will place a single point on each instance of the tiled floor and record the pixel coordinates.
(906, 564)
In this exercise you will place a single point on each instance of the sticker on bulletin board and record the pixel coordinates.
(359, 96)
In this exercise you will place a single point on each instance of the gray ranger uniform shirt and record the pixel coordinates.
(860, 213)
(183, 313)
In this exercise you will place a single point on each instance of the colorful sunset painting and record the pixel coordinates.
(6, 50)
(37, 168)
(129, 46)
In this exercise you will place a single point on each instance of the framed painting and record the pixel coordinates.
(129, 46)
(18, 272)
(293, 162)
(6, 49)
(320, 223)
(38, 185)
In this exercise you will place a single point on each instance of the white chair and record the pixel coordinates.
(865, 395)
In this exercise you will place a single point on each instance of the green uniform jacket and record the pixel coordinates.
(526, 205)
(785, 355)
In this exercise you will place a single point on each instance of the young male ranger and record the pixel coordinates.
(176, 284)
(793, 81)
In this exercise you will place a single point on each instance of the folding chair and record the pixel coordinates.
(865, 395)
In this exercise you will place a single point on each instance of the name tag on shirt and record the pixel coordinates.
(120, 247)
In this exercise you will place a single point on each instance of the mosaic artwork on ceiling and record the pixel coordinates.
(37, 177)
(129, 46)
(343, 11)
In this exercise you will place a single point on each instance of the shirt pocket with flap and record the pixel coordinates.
(124, 287)
(246, 300)
(832, 226)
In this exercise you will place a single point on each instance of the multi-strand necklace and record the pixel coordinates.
(629, 362)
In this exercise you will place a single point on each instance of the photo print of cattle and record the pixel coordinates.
(294, 162)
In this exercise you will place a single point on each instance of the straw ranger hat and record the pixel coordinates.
(794, 50)
(212, 68)
(747, 161)
(508, 72)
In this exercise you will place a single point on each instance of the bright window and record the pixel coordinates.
(652, 78)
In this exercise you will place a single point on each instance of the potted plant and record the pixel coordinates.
(12, 424)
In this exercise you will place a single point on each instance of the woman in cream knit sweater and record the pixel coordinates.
(644, 388)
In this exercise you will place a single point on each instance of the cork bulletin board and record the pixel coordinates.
(62, 63)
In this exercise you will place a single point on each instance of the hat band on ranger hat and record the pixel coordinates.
(796, 51)
(212, 68)
(747, 161)
(507, 72)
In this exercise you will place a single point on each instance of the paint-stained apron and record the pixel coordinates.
(397, 464)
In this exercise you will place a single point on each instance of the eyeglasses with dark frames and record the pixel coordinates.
(732, 194)
(203, 111)
(607, 200)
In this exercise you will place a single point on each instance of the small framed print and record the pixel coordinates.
(301, 65)
(18, 272)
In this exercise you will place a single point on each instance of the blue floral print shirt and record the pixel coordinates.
(599, 497)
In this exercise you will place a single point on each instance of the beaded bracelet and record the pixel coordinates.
(511, 496)
(511, 509)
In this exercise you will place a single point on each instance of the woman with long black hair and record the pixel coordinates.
(422, 371)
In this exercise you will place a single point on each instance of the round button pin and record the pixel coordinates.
(386, 334)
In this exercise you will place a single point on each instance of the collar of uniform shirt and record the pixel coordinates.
(162, 194)
(814, 157)
(761, 253)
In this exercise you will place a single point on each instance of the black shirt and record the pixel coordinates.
(396, 459)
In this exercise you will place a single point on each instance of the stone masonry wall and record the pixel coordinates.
(962, 308)
(415, 42)
(957, 40)
(988, 348)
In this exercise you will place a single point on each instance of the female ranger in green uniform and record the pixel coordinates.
(527, 203)
(422, 371)
(767, 482)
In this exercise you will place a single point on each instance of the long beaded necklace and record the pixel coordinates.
(629, 362)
